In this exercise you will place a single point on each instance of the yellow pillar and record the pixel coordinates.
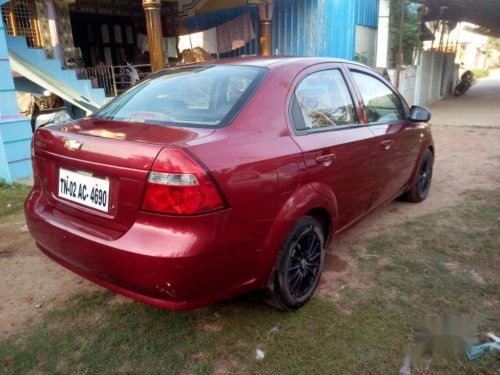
(266, 16)
(152, 10)
(265, 37)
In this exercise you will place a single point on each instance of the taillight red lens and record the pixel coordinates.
(34, 163)
(177, 184)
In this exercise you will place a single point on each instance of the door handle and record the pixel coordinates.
(326, 160)
(387, 144)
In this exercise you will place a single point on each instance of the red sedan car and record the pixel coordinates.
(212, 180)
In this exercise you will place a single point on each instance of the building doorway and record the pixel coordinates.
(107, 40)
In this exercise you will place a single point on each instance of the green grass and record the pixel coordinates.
(12, 197)
(480, 73)
(407, 274)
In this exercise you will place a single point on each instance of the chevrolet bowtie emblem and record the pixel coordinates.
(72, 145)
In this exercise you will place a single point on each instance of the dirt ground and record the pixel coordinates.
(29, 281)
(466, 158)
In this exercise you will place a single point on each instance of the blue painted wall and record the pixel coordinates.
(15, 131)
(208, 20)
(48, 71)
(340, 28)
(320, 27)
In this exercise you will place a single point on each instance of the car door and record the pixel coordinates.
(398, 139)
(338, 150)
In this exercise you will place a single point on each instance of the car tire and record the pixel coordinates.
(299, 266)
(420, 189)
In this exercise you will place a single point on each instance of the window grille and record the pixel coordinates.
(20, 19)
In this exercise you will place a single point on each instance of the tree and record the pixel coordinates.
(411, 29)
(494, 44)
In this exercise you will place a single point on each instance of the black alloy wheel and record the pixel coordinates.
(420, 190)
(299, 265)
(425, 176)
(304, 264)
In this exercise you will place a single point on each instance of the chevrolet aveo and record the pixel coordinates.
(212, 180)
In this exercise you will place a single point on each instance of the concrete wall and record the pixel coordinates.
(383, 35)
(433, 78)
(366, 43)
(409, 84)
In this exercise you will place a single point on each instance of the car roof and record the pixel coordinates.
(274, 61)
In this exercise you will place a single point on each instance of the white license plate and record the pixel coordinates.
(86, 190)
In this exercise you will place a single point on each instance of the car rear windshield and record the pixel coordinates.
(198, 96)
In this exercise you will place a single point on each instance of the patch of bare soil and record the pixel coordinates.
(29, 281)
(467, 158)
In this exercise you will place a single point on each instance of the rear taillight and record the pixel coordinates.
(34, 163)
(177, 184)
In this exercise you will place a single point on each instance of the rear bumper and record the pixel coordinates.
(166, 262)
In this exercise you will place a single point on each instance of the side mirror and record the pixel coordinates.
(419, 114)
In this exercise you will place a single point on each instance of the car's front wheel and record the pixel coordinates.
(300, 264)
(420, 190)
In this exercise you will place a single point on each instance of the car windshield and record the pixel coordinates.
(201, 96)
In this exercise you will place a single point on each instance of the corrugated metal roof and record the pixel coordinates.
(320, 27)
(302, 27)
(340, 28)
(298, 28)
(367, 12)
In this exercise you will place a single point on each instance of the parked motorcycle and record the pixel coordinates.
(465, 83)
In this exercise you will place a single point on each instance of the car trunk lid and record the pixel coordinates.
(121, 153)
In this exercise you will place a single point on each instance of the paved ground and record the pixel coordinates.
(480, 106)
(468, 157)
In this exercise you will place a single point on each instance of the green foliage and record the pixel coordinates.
(411, 29)
(359, 57)
(12, 197)
(494, 44)
(480, 73)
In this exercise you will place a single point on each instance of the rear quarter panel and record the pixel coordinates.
(260, 171)
(427, 143)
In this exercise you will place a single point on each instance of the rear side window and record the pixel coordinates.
(381, 103)
(202, 96)
(322, 100)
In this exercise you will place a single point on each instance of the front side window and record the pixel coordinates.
(322, 100)
(203, 96)
(381, 103)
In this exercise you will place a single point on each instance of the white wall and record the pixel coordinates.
(432, 79)
(366, 39)
(409, 83)
(383, 34)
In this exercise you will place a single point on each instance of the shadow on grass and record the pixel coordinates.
(92, 334)
(442, 263)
